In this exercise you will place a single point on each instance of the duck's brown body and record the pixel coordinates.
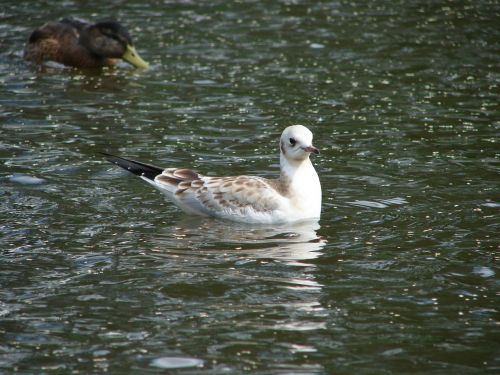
(60, 42)
(81, 44)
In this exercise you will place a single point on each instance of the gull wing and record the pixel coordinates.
(219, 196)
(240, 198)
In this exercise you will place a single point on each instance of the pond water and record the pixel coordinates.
(98, 273)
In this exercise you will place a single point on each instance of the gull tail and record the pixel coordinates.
(147, 172)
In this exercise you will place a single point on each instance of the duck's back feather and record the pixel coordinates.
(59, 42)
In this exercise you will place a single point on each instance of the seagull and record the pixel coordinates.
(294, 196)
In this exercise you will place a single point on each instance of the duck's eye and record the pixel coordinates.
(293, 141)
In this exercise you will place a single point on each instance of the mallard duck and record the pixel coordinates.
(82, 44)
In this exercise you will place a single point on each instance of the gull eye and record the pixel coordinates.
(292, 141)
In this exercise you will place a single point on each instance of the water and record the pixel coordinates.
(99, 274)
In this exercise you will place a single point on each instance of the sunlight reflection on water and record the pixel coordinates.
(98, 273)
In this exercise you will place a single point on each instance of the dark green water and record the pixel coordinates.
(99, 274)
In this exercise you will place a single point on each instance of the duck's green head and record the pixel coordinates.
(110, 39)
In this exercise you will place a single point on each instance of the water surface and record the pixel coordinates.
(99, 274)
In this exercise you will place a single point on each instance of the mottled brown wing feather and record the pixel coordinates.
(212, 195)
(236, 194)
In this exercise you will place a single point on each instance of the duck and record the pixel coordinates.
(81, 44)
(294, 196)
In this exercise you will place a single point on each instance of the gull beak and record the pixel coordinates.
(311, 149)
(131, 56)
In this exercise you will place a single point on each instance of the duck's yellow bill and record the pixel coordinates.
(132, 57)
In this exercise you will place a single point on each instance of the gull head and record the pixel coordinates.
(296, 143)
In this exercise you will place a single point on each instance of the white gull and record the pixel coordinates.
(294, 196)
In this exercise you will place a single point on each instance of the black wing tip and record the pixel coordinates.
(116, 160)
(135, 167)
(106, 155)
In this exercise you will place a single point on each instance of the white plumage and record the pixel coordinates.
(294, 196)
